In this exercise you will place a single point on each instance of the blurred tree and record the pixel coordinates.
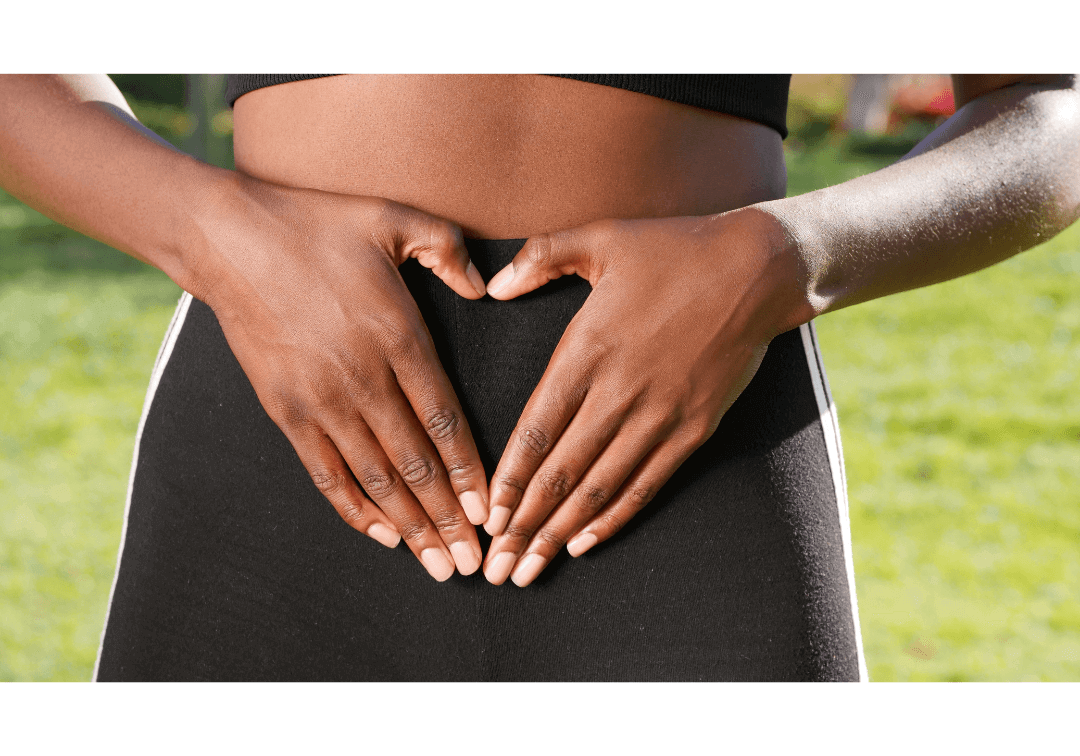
(204, 100)
(188, 110)
(162, 89)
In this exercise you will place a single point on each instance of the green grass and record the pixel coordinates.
(80, 325)
(961, 429)
(961, 434)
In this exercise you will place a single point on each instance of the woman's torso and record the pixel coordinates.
(737, 568)
(506, 156)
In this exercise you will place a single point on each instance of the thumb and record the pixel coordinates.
(545, 258)
(439, 245)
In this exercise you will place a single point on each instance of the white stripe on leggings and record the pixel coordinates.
(155, 377)
(831, 428)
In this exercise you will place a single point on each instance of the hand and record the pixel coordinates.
(678, 321)
(306, 288)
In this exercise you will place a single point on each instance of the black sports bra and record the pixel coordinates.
(756, 97)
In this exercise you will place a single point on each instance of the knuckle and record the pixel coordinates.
(443, 424)
(612, 522)
(395, 337)
(286, 410)
(352, 512)
(447, 520)
(517, 532)
(445, 235)
(328, 481)
(379, 482)
(639, 495)
(352, 381)
(413, 531)
(669, 420)
(511, 482)
(540, 251)
(700, 431)
(592, 498)
(534, 440)
(604, 231)
(384, 210)
(397, 341)
(554, 483)
(325, 401)
(550, 539)
(461, 471)
(418, 471)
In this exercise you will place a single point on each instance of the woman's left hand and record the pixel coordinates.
(678, 321)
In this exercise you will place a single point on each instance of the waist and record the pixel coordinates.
(506, 156)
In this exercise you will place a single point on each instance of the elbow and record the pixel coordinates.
(1060, 122)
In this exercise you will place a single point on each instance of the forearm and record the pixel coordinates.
(71, 148)
(1000, 176)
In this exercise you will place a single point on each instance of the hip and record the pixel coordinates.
(233, 566)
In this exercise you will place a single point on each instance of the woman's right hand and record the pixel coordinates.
(306, 288)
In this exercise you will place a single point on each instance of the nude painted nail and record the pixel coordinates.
(437, 564)
(527, 570)
(475, 278)
(500, 566)
(474, 506)
(384, 535)
(500, 280)
(497, 520)
(467, 556)
(580, 544)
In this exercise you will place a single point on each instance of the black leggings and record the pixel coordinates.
(234, 567)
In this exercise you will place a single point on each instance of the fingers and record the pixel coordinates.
(439, 245)
(335, 481)
(537, 542)
(417, 463)
(550, 256)
(638, 490)
(383, 482)
(433, 403)
(554, 401)
(558, 475)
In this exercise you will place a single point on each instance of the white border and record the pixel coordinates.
(164, 353)
(830, 427)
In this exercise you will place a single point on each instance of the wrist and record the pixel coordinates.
(188, 251)
(779, 295)
(802, 247)
(217, 243)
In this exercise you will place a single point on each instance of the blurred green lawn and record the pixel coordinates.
(957, 403)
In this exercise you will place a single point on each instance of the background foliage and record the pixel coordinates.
(957, 403)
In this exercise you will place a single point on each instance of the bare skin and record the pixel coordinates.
(685, 300)
(506, 157)
(661, 349)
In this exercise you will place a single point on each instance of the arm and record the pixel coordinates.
(682, 309)
(305, 287)
(71, 148)
(999, 177)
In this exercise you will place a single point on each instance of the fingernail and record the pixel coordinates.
(500, 566)
(384, 535)
(501, 279)
(475, 508)
(467, 557)
(527, 570)
(580, 544)
(437, 564)
(497, 520)
(475, 278)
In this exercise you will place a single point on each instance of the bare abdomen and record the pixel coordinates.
(506, 156)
